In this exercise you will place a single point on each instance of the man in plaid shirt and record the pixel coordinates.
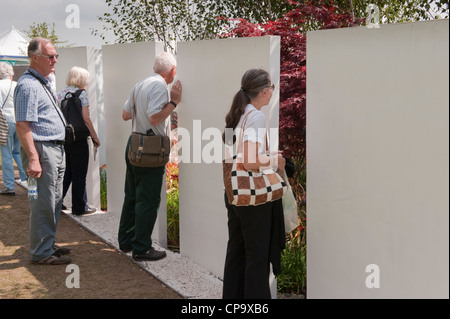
(41, 130)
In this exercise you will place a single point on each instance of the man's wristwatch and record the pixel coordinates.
(173, 103)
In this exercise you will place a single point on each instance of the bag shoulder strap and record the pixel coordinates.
(44, 85)
(7, 97)
(78, 92)
(133, 108)
(50, 94)
(241, 137)
(244, 122)
(133, 112)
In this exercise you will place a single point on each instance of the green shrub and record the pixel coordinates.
(292, 278)
(173, 220)
(103, 192)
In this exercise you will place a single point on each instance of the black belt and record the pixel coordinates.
(57, 142)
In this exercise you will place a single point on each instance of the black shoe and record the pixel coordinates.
(126, 250)
(8, 192)
(54, 259)
(85, 213)
(61, 250)
(150, 255)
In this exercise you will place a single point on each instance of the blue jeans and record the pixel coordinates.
(11, 152)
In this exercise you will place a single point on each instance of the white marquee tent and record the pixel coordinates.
(13, 47)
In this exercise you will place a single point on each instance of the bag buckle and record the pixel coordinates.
(140, 148)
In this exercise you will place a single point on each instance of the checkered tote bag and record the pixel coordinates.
(250, 188)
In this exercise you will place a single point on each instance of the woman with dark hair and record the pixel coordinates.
(247, 267)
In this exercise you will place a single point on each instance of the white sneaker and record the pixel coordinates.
(24, 183)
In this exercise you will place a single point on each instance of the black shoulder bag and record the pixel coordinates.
(148, 150)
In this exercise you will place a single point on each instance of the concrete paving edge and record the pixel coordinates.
(188, 279)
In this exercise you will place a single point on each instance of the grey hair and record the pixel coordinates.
(6, 70)
(35, 45)
(164, 63)
(78, 77)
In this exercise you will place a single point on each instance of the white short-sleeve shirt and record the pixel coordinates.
(255, 127)
(7, 101)
(150, 96)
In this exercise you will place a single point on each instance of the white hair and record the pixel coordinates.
(164, 63)
(78, 77)
(6, 70)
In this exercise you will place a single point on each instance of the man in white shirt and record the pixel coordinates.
(143, 184)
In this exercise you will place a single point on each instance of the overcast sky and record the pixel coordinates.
(23, 13)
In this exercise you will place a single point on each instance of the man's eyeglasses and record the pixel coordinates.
(272, 86)
(50, 57)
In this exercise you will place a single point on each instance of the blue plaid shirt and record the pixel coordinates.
(35, 104)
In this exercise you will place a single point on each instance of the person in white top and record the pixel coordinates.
(143, 184)
(246, 272)
(11, 151)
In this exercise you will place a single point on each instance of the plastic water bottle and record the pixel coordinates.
(32, 188)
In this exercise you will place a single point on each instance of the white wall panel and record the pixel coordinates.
(123, 66)
(378, 161)
(85, 57)
(211, 73)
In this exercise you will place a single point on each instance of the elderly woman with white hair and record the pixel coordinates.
(77, 153)
(10, 151)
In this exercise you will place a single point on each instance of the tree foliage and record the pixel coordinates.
(394, 11)
(46, 31)
(315, 15)
(257, 11)
(161, 20)
(175, 20)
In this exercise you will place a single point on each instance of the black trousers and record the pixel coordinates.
(247, 266)
(77, 161)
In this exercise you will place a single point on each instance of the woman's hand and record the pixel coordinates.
(281, 163)
(96, 141)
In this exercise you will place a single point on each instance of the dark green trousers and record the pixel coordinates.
(140, 206)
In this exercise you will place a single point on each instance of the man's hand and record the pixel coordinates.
(126, 116)
(26, 139)
(175, 93)
(34, 168)
(175, 96)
